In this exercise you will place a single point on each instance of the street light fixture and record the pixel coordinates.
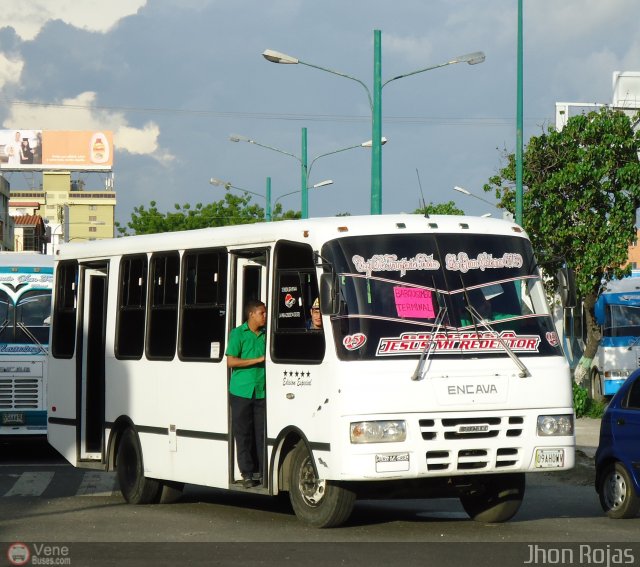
(375, 101)
(470, 194)
(305, 166)
(315, 186)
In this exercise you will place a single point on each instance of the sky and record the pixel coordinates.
(173, 79)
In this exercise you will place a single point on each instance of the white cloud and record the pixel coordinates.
(10, 70)
(28, 18)
(79, 113)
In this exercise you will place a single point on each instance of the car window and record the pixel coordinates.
(633, 400)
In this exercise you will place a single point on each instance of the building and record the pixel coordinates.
(29, 234)
(69, 210)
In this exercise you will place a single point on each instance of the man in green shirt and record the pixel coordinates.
(245, 356)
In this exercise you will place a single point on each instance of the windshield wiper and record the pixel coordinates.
(633, 343)
(29, 334)
(426, 351)
(524, 371)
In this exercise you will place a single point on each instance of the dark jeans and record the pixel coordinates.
(247, 418)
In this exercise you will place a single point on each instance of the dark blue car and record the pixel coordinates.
(618, 454)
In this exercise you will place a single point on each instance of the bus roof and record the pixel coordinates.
(314, 230)
(25, 260)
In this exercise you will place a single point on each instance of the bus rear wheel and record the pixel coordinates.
(135, 487)
(317, 502)
(596, 387)
(496, 499)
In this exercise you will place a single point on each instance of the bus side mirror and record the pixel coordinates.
(329, 304)
(567, 287)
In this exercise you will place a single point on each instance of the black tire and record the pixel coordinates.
(135, 487)
(316, 502)
(596, 387)
(617, 495)
(496, 499)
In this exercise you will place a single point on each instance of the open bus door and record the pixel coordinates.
(249, 281)
(92, 387)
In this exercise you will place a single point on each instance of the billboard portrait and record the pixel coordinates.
(56, 149)
(20, 149)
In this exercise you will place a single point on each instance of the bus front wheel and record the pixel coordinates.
(496, 499)
(135, 487)
(316, 502)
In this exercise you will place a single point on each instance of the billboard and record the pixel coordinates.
(56, 149)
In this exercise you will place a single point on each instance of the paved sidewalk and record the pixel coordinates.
(587, 435)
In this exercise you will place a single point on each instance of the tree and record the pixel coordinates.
(582, 189)
(440, 209)
(232, 209)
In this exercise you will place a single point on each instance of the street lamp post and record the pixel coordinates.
(375, 101)
(305, 165)
(267, 197)
(519, 135)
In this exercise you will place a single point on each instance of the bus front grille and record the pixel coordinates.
(20, 393)
(473, 459)
(465, 428)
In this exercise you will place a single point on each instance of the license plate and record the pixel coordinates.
(13, 418)
(549, 458)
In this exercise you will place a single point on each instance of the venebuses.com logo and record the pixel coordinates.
(19, 553)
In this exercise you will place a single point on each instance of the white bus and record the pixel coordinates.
(26, 280)
(437, 373)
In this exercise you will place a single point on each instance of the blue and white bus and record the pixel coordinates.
(26, 280)
(617, 311)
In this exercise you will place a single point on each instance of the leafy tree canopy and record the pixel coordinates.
(232, 209)
(440, 209)
(581, 192)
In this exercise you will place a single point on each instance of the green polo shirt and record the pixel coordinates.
(244, 343)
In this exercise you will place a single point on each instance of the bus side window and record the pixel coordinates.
(63, 335)
(296, 288)
(131, 307)
(202, 323)
(162, 323)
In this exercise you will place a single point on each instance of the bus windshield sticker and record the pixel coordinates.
(484, 261)
(414, 303)
(289, 300)
(552, 338)
(443, 343)
(354, 342)
(390, 263)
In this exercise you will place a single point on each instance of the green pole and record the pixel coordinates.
(376, 129)
(268, 198)
(519, 143)
(303, 187)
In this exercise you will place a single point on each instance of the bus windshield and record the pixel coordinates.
(457, 294)
(25, 321)
(622, 321)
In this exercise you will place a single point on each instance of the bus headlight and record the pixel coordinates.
(558, 425)
(378, 431)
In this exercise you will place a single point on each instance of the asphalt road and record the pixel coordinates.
(84, 511)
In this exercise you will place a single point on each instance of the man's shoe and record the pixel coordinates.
(249, 483)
